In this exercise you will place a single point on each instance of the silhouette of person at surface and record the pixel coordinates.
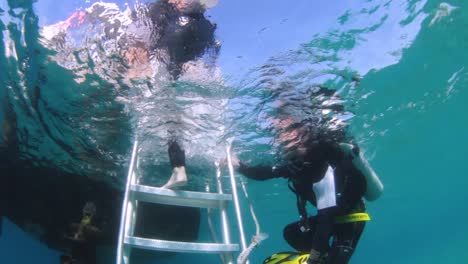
(174, 32)
(178, 34)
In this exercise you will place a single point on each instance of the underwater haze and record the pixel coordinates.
(400, 67)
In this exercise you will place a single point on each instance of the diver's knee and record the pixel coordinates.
(340, 255)
(297, 239)
(286, 233)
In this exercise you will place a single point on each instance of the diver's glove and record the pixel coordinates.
(234, 160)
(314, 257)
(349, 149)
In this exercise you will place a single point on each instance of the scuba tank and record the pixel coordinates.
(374, 186)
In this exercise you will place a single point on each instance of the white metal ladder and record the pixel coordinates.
(135, 192)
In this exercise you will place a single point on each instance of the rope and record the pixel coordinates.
(258, 237)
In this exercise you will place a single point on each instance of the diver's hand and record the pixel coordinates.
(234, 160)
(349, 149)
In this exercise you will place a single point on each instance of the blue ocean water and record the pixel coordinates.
(400, 67)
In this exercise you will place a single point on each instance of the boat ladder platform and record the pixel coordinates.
(135, 192)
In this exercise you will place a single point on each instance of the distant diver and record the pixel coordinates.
(83, 238)
(85, 227)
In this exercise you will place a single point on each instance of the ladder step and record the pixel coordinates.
(179, 198)
(175, 246)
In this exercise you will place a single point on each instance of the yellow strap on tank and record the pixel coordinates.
(86, 220)
(351, 218)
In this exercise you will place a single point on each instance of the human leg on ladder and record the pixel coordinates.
(177, 160)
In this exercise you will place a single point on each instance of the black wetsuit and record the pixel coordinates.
(305, 178)
(184, 34)
(176, 154)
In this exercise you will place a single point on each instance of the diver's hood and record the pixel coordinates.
(195, 9)
(208, 3)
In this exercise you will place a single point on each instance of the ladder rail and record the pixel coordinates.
(209, 216)
(123, 223)
(235, 198)
(223, 213)
(226, 235)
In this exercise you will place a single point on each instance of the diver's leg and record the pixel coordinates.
(84, 252)
(177, 159)
(66, 259)
(298, 239)
(344, 242)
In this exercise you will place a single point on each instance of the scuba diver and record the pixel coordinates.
(334, 177)
(83, 238)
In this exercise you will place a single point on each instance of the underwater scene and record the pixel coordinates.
(340, 124)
